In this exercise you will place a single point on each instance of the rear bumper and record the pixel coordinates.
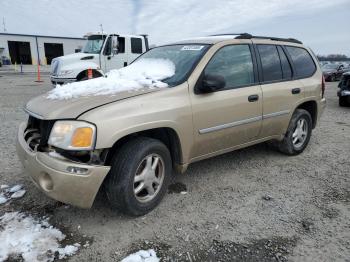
(344, 93)
(321, 106)
(61, 81)
(50, 175)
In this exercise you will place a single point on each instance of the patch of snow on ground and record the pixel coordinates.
(3, 199)
(15, 188)
(143, 73)
(18, 194)
(142, 256)
(16, 191)
(32, 239)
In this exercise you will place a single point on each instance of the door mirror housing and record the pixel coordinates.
(114, 45)
(210, 83)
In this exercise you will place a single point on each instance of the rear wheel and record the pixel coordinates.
(139, 176)
(298, 134)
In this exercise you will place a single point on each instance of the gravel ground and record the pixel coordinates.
(254, 204)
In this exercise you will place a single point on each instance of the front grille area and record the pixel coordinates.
(37, 133)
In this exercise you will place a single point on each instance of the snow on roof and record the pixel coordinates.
(142, 73)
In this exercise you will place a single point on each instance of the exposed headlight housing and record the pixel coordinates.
(73, 135)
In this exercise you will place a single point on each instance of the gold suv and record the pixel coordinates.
(228, 92)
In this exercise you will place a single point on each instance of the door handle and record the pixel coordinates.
(296, 91)
(253, 98)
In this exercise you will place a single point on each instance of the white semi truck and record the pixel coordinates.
(102, 52)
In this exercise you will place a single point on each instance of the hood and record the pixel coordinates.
(59, 63)
(43, 108)
(75, 57)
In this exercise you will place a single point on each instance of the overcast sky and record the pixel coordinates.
(324, 25)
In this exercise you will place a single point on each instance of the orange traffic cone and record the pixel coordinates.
(89, 73)
(38, 74)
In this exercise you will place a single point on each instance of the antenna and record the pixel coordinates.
(4, 24)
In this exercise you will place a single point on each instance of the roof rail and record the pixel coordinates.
(249, 36)
(229, 34)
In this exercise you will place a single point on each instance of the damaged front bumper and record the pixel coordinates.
(61, 179)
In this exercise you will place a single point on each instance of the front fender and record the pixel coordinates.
(166, 108)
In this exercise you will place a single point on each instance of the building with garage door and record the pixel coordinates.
(29, 49)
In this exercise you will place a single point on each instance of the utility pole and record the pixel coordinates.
(4, 24)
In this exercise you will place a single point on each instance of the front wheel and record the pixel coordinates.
(298, 134)
(139, 176)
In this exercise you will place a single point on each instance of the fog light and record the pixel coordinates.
(77, 170)
(46, 182)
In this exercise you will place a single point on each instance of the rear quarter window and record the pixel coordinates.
(304, 65)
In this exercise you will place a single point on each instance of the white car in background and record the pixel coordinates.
(102, 52)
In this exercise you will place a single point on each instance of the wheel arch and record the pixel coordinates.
(311, 107)
(84, 73)
(167, 135)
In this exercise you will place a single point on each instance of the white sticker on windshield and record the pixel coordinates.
(192, 47)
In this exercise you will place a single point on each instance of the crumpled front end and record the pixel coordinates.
(58, 177)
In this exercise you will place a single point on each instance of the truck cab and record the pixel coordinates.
(101, 53)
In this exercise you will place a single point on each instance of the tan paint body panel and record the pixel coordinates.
(169, 107)
(206, 124)
(68, 109)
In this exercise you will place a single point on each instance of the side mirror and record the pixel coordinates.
(211, 83)
(114, 45)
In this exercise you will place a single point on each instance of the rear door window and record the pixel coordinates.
(136, 45)
(286, 68)
(270, 62)
(303, 63)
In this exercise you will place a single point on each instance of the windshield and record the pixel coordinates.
(328, 66)
(94, 44)
(184, 57)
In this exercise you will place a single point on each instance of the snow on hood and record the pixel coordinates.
(140, 74)
(32, 239)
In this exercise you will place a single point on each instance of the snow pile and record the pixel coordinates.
(34, 240)
(143, 73)
(16, 191)
(142, 256)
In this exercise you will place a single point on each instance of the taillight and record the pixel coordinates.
(323, 86)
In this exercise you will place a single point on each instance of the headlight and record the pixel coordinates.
(73, 135)
(65, 72)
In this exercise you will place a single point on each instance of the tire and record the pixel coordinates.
(131, 161)
(342, 101)
(287, 146)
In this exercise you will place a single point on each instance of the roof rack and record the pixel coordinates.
(230, 34)
(249, 36)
